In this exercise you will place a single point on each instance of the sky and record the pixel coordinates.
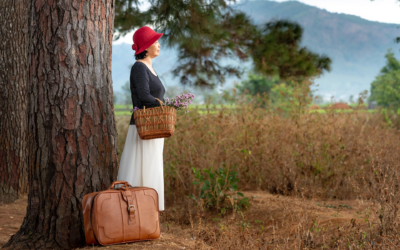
(386, 11)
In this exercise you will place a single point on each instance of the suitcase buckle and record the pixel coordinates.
(129, 208)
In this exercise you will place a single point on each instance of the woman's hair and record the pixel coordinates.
(141, 55)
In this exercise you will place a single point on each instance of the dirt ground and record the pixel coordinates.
(278, 214)
(11, 217)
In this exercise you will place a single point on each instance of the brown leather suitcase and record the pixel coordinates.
(121, 215)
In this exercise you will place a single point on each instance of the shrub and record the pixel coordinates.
(214, 189)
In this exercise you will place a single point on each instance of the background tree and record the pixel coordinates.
(13, 109)
(385, 90)
(115, 98)
(267, 90)
(73, 139)
(282, 96)
(126, 98)
(205, 31)
(274, 93)
(257, 84)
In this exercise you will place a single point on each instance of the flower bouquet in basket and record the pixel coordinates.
(159, 122)
(180, 102)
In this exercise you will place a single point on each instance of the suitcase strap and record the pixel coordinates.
(129, 197)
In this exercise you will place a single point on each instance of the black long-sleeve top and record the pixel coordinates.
(145, 86)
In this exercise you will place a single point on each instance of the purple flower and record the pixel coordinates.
(134, 109)
(180, 101)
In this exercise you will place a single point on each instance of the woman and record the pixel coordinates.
(142, 160)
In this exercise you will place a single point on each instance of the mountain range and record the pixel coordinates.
(356, 46)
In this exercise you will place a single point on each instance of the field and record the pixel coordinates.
(337, 172)
(312, 181)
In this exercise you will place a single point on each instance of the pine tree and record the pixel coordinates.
(72, 140)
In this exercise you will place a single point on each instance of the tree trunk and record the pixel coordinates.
(13, 78)
(73, 137)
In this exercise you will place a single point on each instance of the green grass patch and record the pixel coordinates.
(122, 106)
(123, 113)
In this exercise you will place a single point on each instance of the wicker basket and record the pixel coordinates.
(157, 122)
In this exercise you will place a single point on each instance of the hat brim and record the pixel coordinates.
(149, 43)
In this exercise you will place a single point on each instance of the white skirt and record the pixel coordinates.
(142, 163)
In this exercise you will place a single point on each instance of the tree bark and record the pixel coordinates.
(13, 112)
(71, 123)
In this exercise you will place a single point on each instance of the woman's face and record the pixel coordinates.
(154, 49)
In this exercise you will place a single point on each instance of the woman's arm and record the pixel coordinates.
(140, 78)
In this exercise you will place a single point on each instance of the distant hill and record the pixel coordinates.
(356, 46)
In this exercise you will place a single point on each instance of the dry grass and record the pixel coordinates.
(316, 157)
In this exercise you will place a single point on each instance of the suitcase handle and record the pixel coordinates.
(125, 183)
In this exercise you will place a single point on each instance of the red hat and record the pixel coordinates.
(143, 38)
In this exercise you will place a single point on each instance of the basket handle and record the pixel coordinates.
(161, 103)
